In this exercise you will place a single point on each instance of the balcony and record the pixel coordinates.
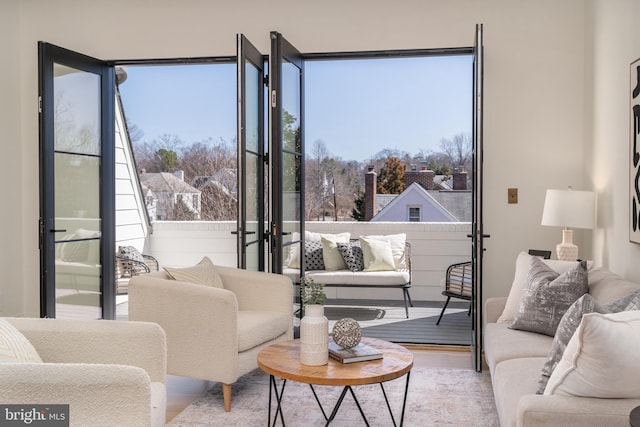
(435, 246)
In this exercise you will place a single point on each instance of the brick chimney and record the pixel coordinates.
(460, 179)
(424, 177)
(370, 181)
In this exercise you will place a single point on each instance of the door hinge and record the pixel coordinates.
(265, 80)
(39, 104)
(40, 232)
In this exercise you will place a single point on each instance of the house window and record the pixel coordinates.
(414, 214)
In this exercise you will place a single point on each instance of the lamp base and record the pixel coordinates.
(566, 250)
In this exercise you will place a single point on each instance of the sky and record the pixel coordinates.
(408, 104)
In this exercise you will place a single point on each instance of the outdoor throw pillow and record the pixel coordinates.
(569, 323)
(601, 359)
(397, 242)
(15, 347)
(330, 253)
(547, 297)
(130, 252)
(352, 254)
(313, 256)
(377, 254)
(203, 273)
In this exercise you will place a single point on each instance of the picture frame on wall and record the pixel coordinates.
(634, 152)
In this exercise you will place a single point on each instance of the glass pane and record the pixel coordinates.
(252, 85)
(77, 192)
(291, 192)
(77, 145)
(76, 110)
(291, 137)
(252, 256)
(253, 195)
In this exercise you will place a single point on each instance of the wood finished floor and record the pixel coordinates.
(181, 392)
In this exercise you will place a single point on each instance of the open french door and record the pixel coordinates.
(77, 189)
(477, 234)
(284, 185)
(251, 200)
(286, 150)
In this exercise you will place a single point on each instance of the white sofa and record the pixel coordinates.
(215, 334)
(398, 277)
(516, 358)
(110, 373)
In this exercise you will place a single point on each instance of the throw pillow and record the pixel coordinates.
(547, 296)
(352, 254)
(523, 262)
(397, 247)
(569, 323)
(313, 256)
(130, 252)
(293, 256)
(601, 359)
(15, 347)
(330, 253)
(203, 273)
(377, 254)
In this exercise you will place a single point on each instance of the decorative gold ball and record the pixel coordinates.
(347, 333)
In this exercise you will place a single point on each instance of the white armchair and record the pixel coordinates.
(110, 373)
(215, 334)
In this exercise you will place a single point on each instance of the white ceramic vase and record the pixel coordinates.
(314, 336)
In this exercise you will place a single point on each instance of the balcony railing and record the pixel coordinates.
(435, 246)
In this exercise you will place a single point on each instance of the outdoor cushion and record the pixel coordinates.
(369, 278)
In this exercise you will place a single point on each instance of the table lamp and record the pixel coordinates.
(568, 208)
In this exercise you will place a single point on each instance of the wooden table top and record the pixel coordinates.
(283, 360)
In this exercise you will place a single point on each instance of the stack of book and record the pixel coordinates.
(359, 353)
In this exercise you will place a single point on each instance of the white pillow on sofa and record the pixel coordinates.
(523, 264)
(397, 242)
(377, 254)
(330, 254)
(601, 359)
(15, 347)
(293, 258)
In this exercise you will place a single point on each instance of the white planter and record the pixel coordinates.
(314, 336)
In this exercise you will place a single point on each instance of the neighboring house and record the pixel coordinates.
(219, 195)
(132, 221)
(426, 198)
(414, 204)
(171, 194)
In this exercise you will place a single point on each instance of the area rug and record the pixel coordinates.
(361, 314)
(437, 397)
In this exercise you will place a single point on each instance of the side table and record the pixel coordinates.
(282, 360)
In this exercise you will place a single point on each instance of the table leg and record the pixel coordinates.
(273, 387)
(404, 401)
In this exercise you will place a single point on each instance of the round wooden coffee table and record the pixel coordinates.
(282, 360)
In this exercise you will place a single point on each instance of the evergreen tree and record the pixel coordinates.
(391, 177)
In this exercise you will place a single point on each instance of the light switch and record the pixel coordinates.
(512, 195)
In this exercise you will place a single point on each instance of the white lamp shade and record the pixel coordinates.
(569, 208)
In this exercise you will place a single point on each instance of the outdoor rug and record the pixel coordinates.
(437, 397)
(360, 314)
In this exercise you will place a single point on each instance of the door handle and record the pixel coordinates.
(58, 231)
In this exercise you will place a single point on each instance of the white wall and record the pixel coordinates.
(535, 87)
(13, 255)
(615, 36)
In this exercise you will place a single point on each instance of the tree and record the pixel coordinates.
(391, 177)
(457, 150)
(357, 212)
(166, 160)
